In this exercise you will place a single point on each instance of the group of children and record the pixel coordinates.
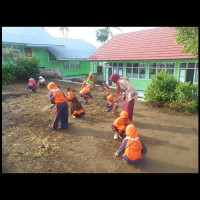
(32, 86)
(132, 147)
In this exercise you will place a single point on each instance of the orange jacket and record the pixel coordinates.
(120, 124)
(55, 94)
(133, 149)
(86, 89)
(69, 95)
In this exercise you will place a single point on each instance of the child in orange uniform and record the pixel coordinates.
(69, 94)
(120, 124)
(57, 97)
(132, 147)
(110, 102)
(85, 93)
(77, 109)
(83, 84)
(105, 87)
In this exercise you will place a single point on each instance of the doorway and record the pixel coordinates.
(186, 75)
(190, 75)
(108, 72)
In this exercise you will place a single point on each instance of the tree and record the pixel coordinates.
(64, 30)
(103, 34)
(110, 32)
(188, 37)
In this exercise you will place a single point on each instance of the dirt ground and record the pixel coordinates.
(87, 146)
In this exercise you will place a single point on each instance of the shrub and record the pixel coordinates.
(27, 67)
(166, 91)
(18, 68)
(161, 89)
(187, 98)
(7, 75)
(98, 79)
(8, 64)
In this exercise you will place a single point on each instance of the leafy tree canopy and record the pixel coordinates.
(188, 37)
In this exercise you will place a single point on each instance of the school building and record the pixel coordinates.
(58, 56)
(141, 54)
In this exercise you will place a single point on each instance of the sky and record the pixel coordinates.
(88, 33)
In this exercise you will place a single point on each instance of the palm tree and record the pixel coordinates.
(64, 30)
(103, 34)
(110, 32)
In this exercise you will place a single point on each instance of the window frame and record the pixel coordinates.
(138, 67)
(73, 63)
(165, 68)
(25, 52)
(186, 68)
(4, 47)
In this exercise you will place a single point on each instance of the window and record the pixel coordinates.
(197, 73)
(157, 67)
(72, 65)
(114, 70)
(170, 68)
(136, 70)
(16, 50)
(160, 66)
(191, 65)
(114, 64)
(129, 70)
(196, 79)
(183, 65)
(28, 52)
(189, 72)
(66, 65)
(142, 70)
(152, 70)
(117, 68)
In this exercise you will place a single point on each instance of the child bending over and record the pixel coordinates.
(105, 87)
(57, 97)
(85, 93)
(111, 104)
(41, 82)
(69, 94)
(31, 85)
(120, 124)
(77, 109)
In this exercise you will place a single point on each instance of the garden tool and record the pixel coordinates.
(46, 108)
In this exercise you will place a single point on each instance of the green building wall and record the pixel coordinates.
(42, 53)
(141, 84)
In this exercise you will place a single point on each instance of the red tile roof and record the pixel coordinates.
(155, 43)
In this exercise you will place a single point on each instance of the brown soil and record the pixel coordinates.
(87, 146)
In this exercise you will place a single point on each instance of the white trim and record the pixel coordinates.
(55, 90)
(133, 139)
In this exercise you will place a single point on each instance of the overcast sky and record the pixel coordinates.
(88, 33)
